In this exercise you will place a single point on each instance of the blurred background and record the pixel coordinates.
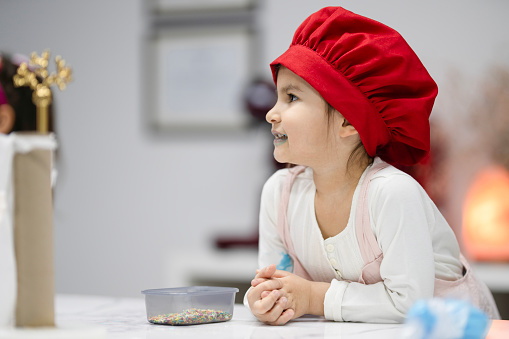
(163, 153)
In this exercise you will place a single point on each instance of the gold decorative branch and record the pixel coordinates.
(42, 96)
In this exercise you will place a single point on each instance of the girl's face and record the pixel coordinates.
(299, 122)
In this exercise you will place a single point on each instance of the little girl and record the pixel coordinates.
(363, 239)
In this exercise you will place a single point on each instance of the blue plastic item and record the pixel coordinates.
(445, 319)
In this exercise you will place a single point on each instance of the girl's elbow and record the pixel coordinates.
(404, 299)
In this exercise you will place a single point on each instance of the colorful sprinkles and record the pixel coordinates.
(191, 316)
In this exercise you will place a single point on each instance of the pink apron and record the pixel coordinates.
(468, 285)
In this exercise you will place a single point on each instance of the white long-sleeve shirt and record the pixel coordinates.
(417, 243)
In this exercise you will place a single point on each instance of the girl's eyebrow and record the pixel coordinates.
(290, 87)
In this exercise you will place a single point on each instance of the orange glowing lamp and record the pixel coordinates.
(486, 216)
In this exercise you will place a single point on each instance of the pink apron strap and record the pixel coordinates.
(371, 253)
(282, 221)
(469, 285)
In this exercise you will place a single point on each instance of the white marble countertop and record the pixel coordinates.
(110, 318)
(126, 318)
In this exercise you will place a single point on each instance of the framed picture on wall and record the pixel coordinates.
(198, 77)
(199, 60)
(186, 5)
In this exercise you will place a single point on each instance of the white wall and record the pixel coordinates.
(132, 211)
(129, 204)
(464, 34)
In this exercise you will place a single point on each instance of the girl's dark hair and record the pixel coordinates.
(20, 99)
(359, 151)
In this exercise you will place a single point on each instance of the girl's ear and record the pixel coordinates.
(7, 117)
(347, 129)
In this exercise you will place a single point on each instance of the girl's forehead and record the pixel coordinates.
(286, 74)
(286, 78)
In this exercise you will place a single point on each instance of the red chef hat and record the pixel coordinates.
(367, 72)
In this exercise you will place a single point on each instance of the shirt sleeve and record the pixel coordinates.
(270, 246)
(402, 221)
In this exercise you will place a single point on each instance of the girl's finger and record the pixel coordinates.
(275, 313)
(268, 285)
(285, 317)
(266, 272)
(280, 274)
(264, 305)
(257, 281)
(282, 293)
(265, 294)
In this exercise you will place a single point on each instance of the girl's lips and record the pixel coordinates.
(279, 142)
(279, 138)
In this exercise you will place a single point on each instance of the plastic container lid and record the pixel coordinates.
(193, 290)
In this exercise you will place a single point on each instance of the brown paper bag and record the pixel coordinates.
(33, 238)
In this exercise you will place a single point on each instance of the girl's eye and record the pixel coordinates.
(292, 97)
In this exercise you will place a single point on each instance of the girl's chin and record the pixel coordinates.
(279, 157)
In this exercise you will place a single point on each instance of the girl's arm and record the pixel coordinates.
(403, 220)
(270, 248)
(271, 251)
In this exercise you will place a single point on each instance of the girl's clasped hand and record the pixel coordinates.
(278, 296)
(268, 299)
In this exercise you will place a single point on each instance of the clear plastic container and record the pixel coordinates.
(189, 305)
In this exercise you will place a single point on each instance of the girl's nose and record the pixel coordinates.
(273, 116)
